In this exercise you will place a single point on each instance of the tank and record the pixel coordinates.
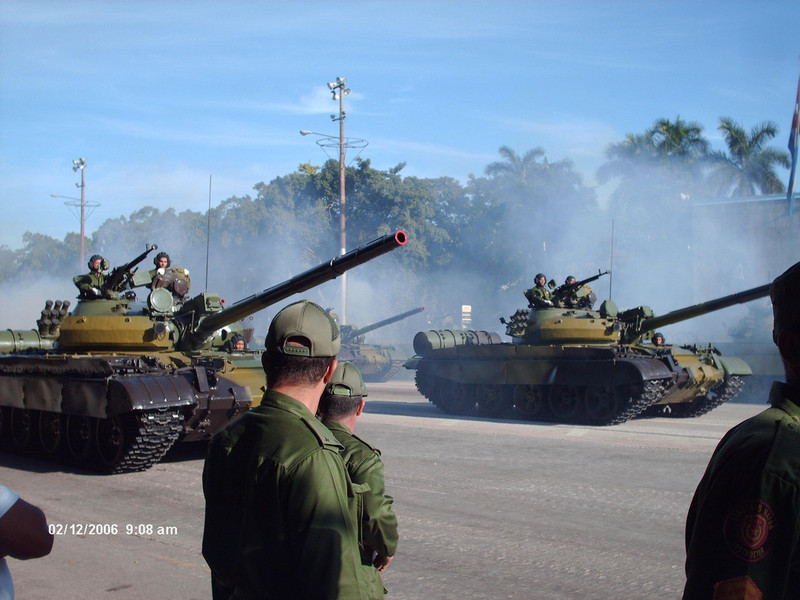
(376, 363)
(574, 364)
(114, 384)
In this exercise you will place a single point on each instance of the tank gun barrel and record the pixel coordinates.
(702, 308)
(389, 321)
(300, 283)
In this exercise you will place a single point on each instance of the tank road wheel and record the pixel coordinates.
(603, 405)
(565, 402)
(50, 430)
(79, 437)
(530, 401)
(113, 438)
(457, 398)
(21, 425)
(493, 401)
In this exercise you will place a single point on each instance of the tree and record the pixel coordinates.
(748, 166)
(515, 167)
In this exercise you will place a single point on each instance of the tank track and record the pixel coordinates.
(126, 443)
(728, 389)
(386, 374)
(465, 400)
(156, 432)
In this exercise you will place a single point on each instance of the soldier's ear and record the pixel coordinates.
(789, 346)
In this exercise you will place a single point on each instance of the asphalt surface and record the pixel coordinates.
(487, 509)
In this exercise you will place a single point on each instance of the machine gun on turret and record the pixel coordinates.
(574, 295)
(121, 276)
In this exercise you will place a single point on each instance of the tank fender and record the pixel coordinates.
(148, 391)
(618, 372)
(733, 365)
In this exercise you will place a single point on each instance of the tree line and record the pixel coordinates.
(490, 232)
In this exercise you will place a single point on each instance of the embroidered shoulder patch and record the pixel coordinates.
(749, 530)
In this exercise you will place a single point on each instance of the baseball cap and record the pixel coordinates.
(346, 381)
(785, 295)
(304, 319)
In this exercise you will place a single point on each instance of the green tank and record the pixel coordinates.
(574, 364)
(117, 382)
(375, 362)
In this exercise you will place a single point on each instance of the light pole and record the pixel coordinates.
(79, 164)
(339, 91)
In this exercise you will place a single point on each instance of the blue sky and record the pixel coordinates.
(160, 96)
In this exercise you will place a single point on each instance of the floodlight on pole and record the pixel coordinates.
(79, 164)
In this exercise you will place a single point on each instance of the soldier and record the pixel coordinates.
(175, 279)
(657, 339)
(91, 284)
(277, 521)
(237, 343)
(341, 404)
(539, 296)
(743, 526)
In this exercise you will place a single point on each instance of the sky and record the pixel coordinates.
(173, 102)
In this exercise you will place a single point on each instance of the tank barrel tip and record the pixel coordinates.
(401, 237)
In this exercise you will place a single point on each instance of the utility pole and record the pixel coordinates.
(79, 164)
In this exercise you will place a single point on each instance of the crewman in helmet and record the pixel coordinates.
(91, 284)
(175, 279)
(539, 296)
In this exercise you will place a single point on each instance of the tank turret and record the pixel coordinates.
(575, 364)
(113, 385)
(375, 362)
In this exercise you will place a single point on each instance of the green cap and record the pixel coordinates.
(346, 381)
(304, 319)
(785, 295)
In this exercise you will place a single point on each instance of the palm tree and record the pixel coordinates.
(749, 166)
(516, 167)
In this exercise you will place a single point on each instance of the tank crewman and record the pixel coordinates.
(175, 279)
(278, 521)
(91, 284)
(539, 296)
(237, 343)
(743, 526)
(657, 339)
(341, 404)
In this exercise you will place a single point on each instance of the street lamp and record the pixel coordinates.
(339, 91)
(79, 164)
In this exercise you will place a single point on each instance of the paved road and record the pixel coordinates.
(487, 509)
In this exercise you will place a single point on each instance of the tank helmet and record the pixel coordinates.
(103, 262)
(657, 335)
(538, 277)
(162, 254)
(237, 338)
(567, 280)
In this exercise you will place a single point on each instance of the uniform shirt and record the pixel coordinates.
(743, 527)
(377, 521)
(88, 283)
(539, 296)
(7, 500)
(277, 522)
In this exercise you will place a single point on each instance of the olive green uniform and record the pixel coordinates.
(539, 296)
(376, 519)
(89, 284)
(277, 521)
(742, 531)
